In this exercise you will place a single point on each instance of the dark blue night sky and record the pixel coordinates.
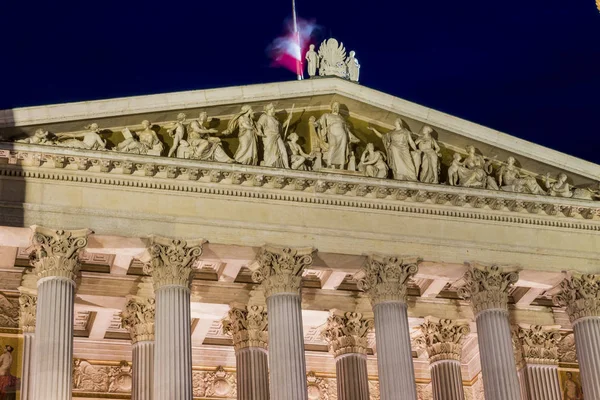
(529, 68)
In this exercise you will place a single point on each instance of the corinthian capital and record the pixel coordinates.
(443, 338)
(347, 333)
(138, 318)
(580, 294)
(279, 269)
(386, 278)
(27, 305)
(487, 286)
(539, 343)
(247, 327)
(172, 260)
(56, 252)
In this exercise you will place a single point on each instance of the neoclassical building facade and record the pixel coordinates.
(314, 239)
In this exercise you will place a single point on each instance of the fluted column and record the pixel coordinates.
(443, 340)
(279, 271)
(487, 288)
(56, 261)
(138, 319)
(580, 294)
(171, 269)
(27, 305)
(539, 345)
(385, 282)
(248, 329)
(346, 334)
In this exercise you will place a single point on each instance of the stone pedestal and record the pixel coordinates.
(171, 270)
(385, 282)
(57, 265)
(580, 294)
(248, 329)
(487, 287)
(279, 272)
(443, 339)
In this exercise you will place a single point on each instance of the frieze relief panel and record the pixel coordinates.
(9, 311)
(101, 378)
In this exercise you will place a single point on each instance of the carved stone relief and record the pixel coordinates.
(566, 349)
(9, 312)
(580, 294)
(320, 388)
(217, 383)
(101, 378)
(487, 286)
(443, 338)
(386, 278)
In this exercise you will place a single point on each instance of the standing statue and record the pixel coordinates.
(200, 145)
(269, 128)
(312, 61)
(40, 136)
(177, 132)
(91, 139)
(453, 169)
(372, 163)
(510, 180)
(298, 157)
(426, 158)
(147, 141)
(398, 144)
(334, 132)
(353, 67)
(475, 171)
(247, 151)
(332, 59)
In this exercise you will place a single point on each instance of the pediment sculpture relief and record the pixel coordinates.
(271, 141)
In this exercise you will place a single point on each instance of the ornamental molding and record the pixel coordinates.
(148, 172)
(279, 269)
(539, 344)
(443, 338)
(98, 378)
(247, 327)
(580, 295)
(346, 333)
(171, 260)
(56, 251)
(385, 278)
(138, 318)
(487, 286)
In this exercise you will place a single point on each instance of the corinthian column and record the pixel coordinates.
(56, 261)
(28, 305)
(138, 319)
(346, 334)
(487, 288)
(248, 329)
(385, 282)
(580, 294)
(539, 345)
(443, 339)
(279, 271)
(171, 270)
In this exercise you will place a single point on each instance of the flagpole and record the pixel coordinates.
(299, 71)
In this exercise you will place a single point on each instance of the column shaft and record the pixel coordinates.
(394, 354)
(252, 374)
(173, 351)
(54, 339)
(286, 348)
(27, 366)
(352, 378)
(446, 380)
(498, 367)
(587, 342)
(542, 382)
(143, 371)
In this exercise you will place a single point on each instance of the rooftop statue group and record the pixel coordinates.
(331, 60)
(407, 156)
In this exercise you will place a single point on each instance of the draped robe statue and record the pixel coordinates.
(334, 132)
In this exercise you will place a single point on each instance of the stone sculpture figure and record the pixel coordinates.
(91, 139)
(147, 141)
(334, 132)
(177, 132)
(298, 157)
(453, 169)
(353, 67)
(332, 59)
(561, 188)
(427, 157)
(475, 171)
(398, 145)
(247, 151)
(372, 163)
(200, 145)
(312, 61)
(40, 136)
(269, 128)
(511, 180)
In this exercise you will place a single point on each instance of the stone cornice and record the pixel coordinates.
(443, 338)
(386, 277)
(580, 294)
(247, 327)
(487, 286)
(539, 343)
(161, 173)
(346, 333)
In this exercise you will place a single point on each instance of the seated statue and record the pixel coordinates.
(147, 141)
(40, 136)
(200, 145)
(475, 171)
(511, 180)
(91, 139)
(298, 158)
(372, 163)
